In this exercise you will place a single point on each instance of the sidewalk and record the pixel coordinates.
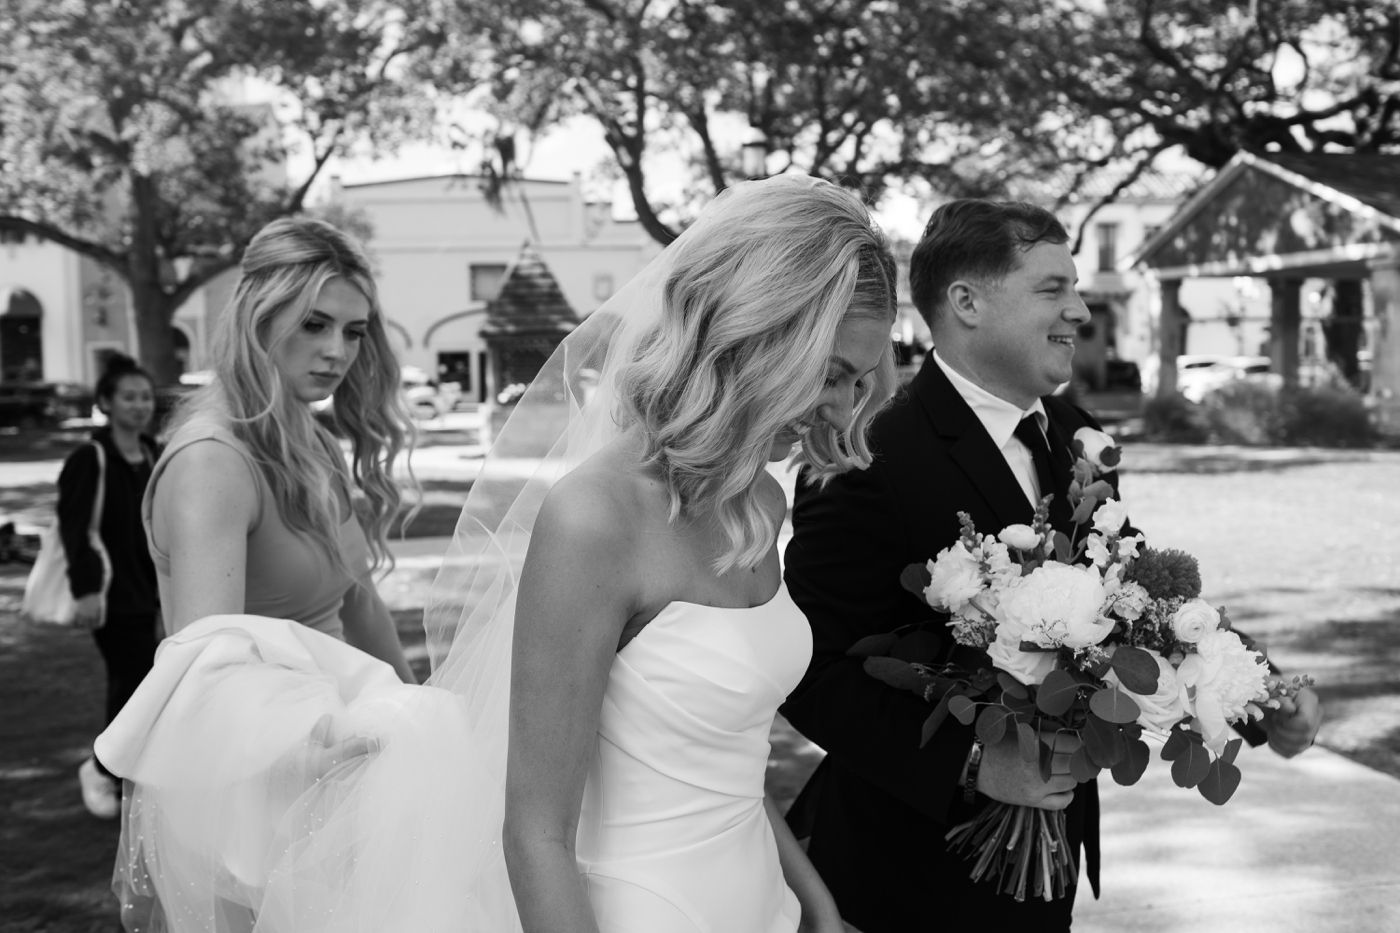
(1310, 844)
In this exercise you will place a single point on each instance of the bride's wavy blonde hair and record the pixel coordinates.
(750, 318)
(283, 271)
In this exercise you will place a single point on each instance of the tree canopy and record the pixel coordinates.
(122, 136)
(988, 97)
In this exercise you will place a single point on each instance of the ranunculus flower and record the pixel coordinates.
(1228, 681)
(1099, 449)
(1194, 621)
(1019, 536)
(1029, 667)
(957, 578)
(1057, 604)
(1110, 516)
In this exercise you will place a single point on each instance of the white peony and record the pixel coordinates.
(1222, 682)
(1099, 449)
(1029, 667)
(1022, 537)
(1163, 709)
(1056, 605)
(1110, 516)
(1194, 621)
(957, 578)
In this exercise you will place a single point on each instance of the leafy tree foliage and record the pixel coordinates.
(119, 140)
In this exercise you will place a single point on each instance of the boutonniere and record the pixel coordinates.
(1095, 454)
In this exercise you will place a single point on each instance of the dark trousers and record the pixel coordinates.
(128, 646)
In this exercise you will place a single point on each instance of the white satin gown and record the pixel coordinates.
(673, 836)
(231, 825)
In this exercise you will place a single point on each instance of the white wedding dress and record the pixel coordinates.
(231, 824)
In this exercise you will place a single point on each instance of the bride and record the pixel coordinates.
(611, 604)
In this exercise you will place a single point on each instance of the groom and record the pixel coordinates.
(979, 432)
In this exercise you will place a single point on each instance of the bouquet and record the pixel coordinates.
(1091, 634)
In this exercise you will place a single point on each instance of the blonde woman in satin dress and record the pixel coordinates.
(654, 639)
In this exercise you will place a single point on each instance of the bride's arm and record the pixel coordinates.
(819, 911)
(571, 607)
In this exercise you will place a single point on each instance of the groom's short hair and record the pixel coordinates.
(975, 239)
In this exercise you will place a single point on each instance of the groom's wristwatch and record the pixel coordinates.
(974, 763)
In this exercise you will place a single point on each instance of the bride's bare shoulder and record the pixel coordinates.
(606, 501)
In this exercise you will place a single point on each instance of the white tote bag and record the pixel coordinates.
(47, 596)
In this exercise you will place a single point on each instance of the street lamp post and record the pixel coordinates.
(755, 154)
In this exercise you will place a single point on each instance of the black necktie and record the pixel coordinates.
(1028, 432)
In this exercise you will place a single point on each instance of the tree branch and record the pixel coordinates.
(1123, 184)
(96, 251)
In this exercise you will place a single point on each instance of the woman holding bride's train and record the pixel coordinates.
(615, 609)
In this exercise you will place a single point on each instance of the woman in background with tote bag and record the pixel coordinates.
(115, 593)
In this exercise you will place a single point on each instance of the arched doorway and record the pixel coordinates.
(21, 337)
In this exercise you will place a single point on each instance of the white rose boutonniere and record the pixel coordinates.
(1099, 449)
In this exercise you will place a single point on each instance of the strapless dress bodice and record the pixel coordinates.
(672, 832)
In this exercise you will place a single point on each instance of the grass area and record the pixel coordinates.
(1302, 546)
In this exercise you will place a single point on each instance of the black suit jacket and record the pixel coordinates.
(879, 805)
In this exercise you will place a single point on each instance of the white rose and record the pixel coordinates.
(957, 578)
(1194, 621)
(1099, 449)
(1222, 685)
(1058, 604)
(1163, 709)
(1110, 516)
(1029, 667)
(1022, 537)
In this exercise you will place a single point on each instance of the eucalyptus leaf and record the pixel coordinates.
(1176, 744)
(1029, 741)
(1056, 693)
(918, 647)
(1220, 783)
(1104, 743)
(1232, 748)
(1191, 766)
(963, 709)
(1134, 763)
(1011, 686)
(1082, 767)
(915, 578)
(872, 646)
(898, 674)
(1136, 669)
(991, 724)
(934, 720)
(1113, 705)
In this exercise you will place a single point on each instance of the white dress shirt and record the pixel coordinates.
(1000, 418)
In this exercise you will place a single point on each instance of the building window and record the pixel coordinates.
(1107, 237)
(486, 281)
(456, 367)
(603, 286)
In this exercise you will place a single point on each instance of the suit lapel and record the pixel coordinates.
(970, 446)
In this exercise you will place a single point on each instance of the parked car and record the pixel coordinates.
(36, 404)
(1198, 382)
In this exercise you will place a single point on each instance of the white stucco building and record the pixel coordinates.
(442, 250)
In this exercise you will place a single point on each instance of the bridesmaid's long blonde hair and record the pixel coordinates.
(283, 271)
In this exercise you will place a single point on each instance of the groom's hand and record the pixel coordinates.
(1293, 726)
(1006, 776)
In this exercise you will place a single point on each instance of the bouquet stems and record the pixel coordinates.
(1024, 849)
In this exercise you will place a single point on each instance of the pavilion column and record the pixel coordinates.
(1286, 320)
(1385, 359)
(1171, 333)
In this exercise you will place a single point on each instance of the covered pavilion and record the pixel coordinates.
(1287, 218)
